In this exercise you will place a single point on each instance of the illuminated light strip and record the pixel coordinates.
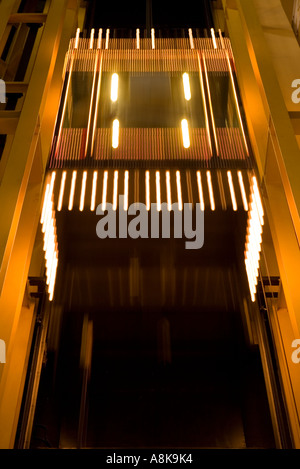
(147, 183)
(221, 39)
(115, 193)
(77, 38)
(168, 184)
(47, 199)
(186, 86)
(210, 189)
(104, 192)
(45, 203)
(191, 38)
(212, 31)
(137, 38)
(99, 42)
(72, 190)
(185, 133)
(210, 105)
(107, 39)
(254, 237)
(61, 191)
(158, 197)
(153, 38)
(126, 180)
(92, 39)
(236, 101)
(91, 104)
(53, 278)
(204, 105)
(200, 190)
(232, 193)
(97, 103)
(179, 193)
(243, 192)
(114, 87)
(94, 189)
(115, 134)
(82, 194)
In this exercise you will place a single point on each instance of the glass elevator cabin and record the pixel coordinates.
(151, 344)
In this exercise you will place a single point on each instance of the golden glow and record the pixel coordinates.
(77, 38)
(179, 194)
(99, 39)
(210, 190)
(126, 180)
(210, 106)
(96, 108)
(72, 190)
(186, 86)
(94, 190)
(254, 237)
(92, 39)
(236, 102)
(53, 277)
(204, 105)
(232, 193)
(158, 197)
(115, 190)
(47, 199)
(200, 190)
(115, 134)
(153, 38)
(104, 192)
(168, 184)
(61, 190)
(185, 133)
(243, 192)
(45, 203)
(82, 194)
(137, 38)
(107, 39)
(147, 184)
(221, 39)
(191, 38)
(213, 38)
(114, 87)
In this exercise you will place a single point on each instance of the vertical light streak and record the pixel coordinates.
(99, 42)
(153, 38)
(158, 196)
(204, 105)
(210, 190)
(221, 39)
(61, 191)
(72, 190)
(210, 105)
(104, 191)
(114, 87)
(97, 102)
(91, 103)
(137, 38)
(147, 184)
(107, 39)
(77, 38)
(94, 190)
(82, 194)
(115, 190)
(92, 39)
(186, 86)
(236, 101)
(45, 203)
(126, 181)
(168, 184)
(200, 191)
(53, 277)
(48, 197)
(179, 193)
(185, 133)
(232, 193)
(258, 200)
(243, 192)
(115, 134)
(191, 38)
(212, 31)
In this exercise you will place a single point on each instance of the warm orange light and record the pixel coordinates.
(210, 105)
(72, 190)
(200, 191)
(82, 194)
(186, 86)
(104, 191)
(204, 105)
(115, 134)
(137, 38)
(243, 192)
(232, 193)
(61, 190)
(158, 197)
(179, 194)
(126, 184)
(191, 38)
(114, 87)
(94, 190)
(92, 39)
(99, 39)
(210, 190)
(115, 190)
(77, 38)
(185, 133)
(147, 184)
(153, 38)
(168, 184)
(107, 39)
(213, 38)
